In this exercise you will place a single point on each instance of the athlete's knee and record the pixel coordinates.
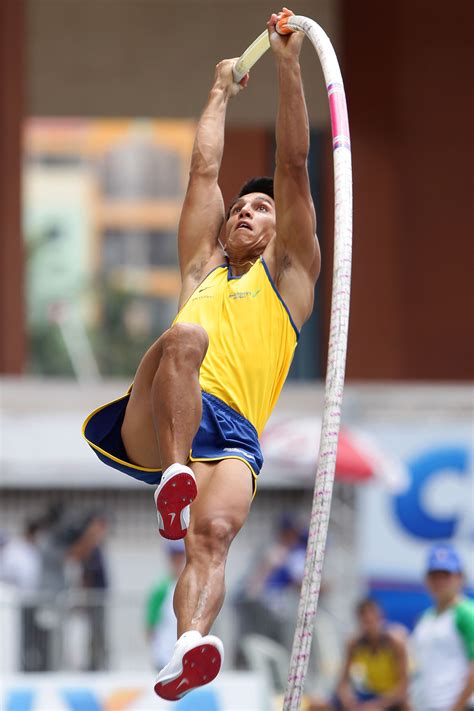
(185, 343)
(211, 537)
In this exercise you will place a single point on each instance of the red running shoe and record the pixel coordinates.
(196, 661)
(176, 491)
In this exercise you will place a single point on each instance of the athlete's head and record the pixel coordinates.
(250, 219)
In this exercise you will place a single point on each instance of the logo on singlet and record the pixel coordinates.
(196, 296)
(244, 294)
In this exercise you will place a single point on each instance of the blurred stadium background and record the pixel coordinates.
(99, 104)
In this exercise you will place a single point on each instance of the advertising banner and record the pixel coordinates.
(231, 691)
(433, 503)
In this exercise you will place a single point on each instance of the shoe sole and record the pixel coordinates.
(179, 492)
(201, 665)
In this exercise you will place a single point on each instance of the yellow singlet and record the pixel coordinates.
(376, 669)
(252, 339)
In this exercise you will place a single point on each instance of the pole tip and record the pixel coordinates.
(282, 23)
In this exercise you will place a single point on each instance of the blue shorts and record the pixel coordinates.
(361, 696)
(222, 434)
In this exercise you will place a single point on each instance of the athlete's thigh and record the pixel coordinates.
(138, 432)
(224, 492)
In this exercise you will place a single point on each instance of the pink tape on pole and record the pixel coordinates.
(339, 120)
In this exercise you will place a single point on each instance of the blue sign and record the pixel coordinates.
(410, 506)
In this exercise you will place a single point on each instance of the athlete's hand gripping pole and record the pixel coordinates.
(259, 46)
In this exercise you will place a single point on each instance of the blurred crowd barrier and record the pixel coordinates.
(88, 631)
(45, 640)
(68, 632)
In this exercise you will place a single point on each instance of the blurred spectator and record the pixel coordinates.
(68, 542)
(95, 580)
(21, 567)
(375, 669)
(21, 560)
(3, 542)
(268, 602)
(443, 639)
(160, 617)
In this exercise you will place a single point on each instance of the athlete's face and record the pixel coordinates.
(250, 227)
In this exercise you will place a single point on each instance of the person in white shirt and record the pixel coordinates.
(443, 639)
(21, 561)
(21, 570)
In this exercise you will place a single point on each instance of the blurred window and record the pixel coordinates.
(138, 169)
(102, 200)
(137, 247)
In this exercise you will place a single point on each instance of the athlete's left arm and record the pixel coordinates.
(295, 215)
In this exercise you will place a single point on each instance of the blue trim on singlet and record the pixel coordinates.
(219, 266)
(279, 296)
(230, 276)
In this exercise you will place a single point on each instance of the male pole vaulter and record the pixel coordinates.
(205, 389)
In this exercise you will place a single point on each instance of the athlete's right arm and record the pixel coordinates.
(203, 209)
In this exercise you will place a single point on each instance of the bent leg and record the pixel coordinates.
(164, 410)
(217, 515)
(176, 393)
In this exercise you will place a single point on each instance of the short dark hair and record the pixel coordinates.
(367, 603)
(261, 184)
